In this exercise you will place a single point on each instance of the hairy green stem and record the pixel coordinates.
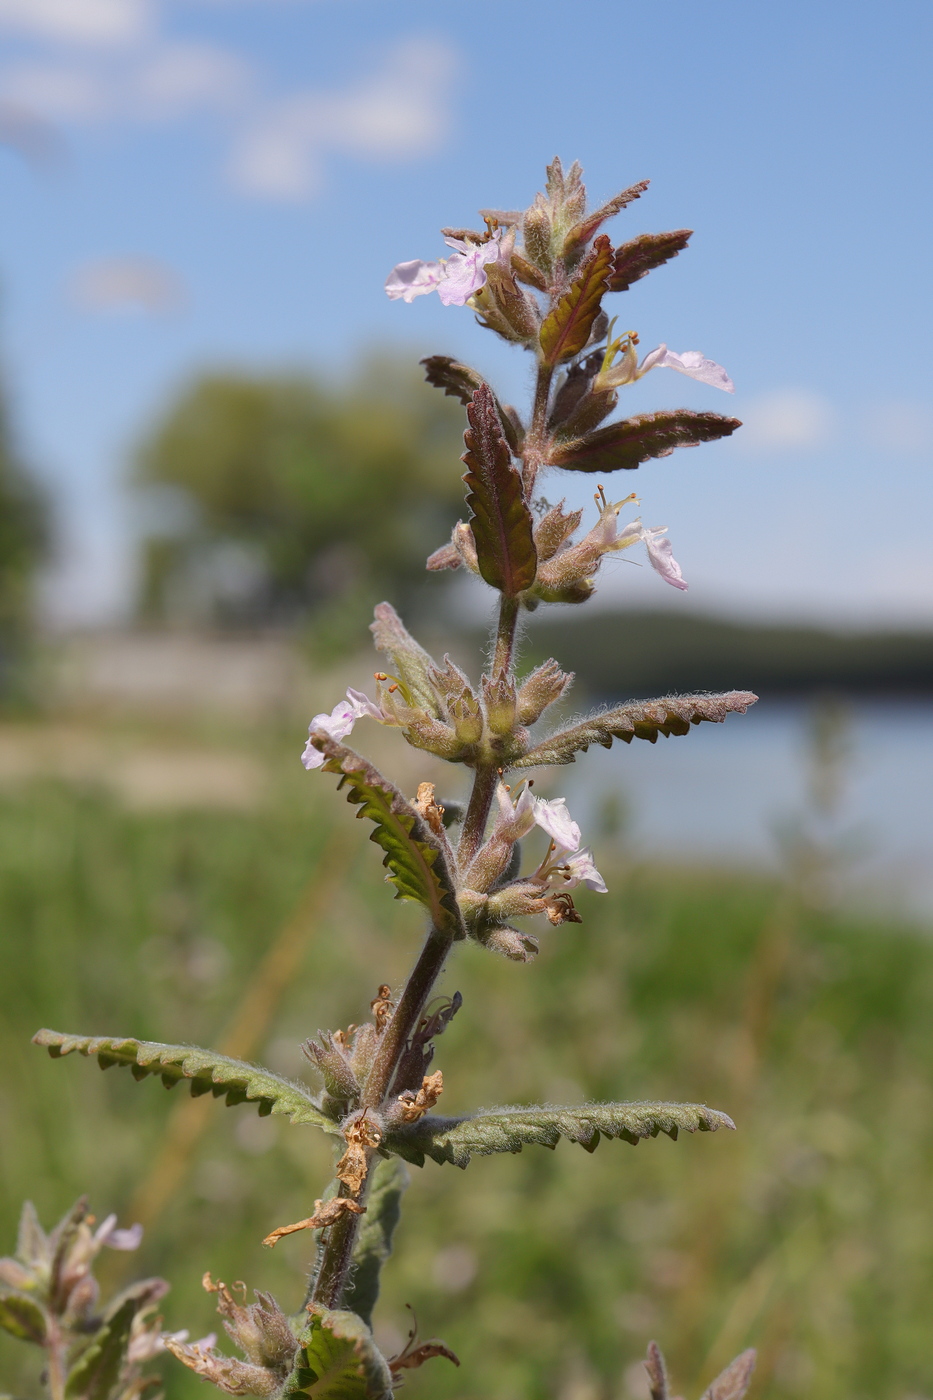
(57, 1368)
(335, 1256)
(477, 814)
(533, 456)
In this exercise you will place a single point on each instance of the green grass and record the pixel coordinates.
(808, 1233)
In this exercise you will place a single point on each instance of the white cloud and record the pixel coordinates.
(78, 21)
(397, 114)
(126, 284)
(901, 427)
(57, 91)
(786, 420)
(182, 78)
(165, 83)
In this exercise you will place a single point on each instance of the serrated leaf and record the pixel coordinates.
(374, 1242)
(338, 1360)
(460, 382)
(627, 444)
(566, 329)
(501, 521)
(456, 1140)
(583, 231)
(645, 719)
(417, 864)
(97, 1370)
(22, 1317)
(635, 259)
(206, 1070)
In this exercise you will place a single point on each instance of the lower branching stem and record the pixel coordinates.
(335, 1258)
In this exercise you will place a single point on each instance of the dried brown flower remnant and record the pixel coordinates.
(412, 1356)
(430, 808)
(382, 1006)
(414, 1106)
(325, 1213)
(353, 1166)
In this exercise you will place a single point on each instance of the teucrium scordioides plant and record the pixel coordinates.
(537, 279)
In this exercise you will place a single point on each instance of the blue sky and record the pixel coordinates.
(250, 170)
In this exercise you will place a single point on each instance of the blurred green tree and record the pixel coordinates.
(24, 538)
(274, 498)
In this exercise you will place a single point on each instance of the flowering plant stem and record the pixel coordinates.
(376, 1093)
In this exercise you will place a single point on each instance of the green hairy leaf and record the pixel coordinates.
(456, 1140)
(413, 856)
(374, 1242)
(22, 1317)
(338, 1360)
(96, 1372)
(646, 719)
(566, 330)
(627, 444)
(207, 1072)
(502, 525)
(635, 259)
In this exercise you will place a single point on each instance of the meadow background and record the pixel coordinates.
(215, 456)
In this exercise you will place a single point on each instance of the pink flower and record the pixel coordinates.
(338, 724)
(455, 279)
(580, 869)
(661, 557)
(627, 369)
(107, 1233)
(554, 818)
(413, 279)
(692, 363)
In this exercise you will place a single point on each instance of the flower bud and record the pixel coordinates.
(500, 702)
(510, 943)
(330, 1059)
(536, 227)
(539, 690)
(467, 718)
(553, 530)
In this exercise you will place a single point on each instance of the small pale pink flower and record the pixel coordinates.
(661, 558)
(413, 279)
(580, 869)
(692, 363)
(626, 369)
(455, 279)
(554, 818)
(338, 724)
(107, 1234)
(465, 272)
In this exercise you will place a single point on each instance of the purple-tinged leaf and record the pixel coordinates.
(635, 440)
(460, 382)
(501, 521)
(635, 259)
(566, 330)
(583, 231)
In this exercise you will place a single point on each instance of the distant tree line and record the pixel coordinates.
(280, 499)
